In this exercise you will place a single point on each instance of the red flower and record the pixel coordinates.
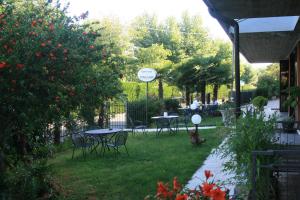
(162, 190)
(181, 197)
(33, 23)
(218, 194)
(207, 188)
(92, 47)
(51, 27)
(84, 33)
(208, 174)
(20, 66)
(57, 98)
(38, 54)
(43, 44)
(176, 185)
(3, 65)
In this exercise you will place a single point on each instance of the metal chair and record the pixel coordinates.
(118, 141)
(81, 142)
(136, 125)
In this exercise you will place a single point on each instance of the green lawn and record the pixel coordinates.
(151, 159)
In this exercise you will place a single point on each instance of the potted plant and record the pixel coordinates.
(227, 112)
(288, 125)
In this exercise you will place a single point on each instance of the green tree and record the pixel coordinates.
(194, 36)
(220, 73)
(247, 74)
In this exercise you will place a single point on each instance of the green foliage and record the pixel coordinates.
(30, 181)
(292, 99)
(131, 90)
(136, 110)
(171, 105)
(252, 132)
(247, 74)
(268, 82)
(50, 67)
(259, 102)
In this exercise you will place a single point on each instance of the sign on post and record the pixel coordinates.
(147, 74)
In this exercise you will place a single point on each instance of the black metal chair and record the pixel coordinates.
(81, 142)
(118, 141)
(136, 125)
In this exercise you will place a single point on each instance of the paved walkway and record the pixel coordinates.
(214, 162)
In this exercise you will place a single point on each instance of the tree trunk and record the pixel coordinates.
(203, 91)
(216, 89)
(187, 96)
(57, 133)
(160, 89)
(101, 118)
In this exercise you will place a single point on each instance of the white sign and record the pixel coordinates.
(147, 74)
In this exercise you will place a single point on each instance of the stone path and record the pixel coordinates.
(214, 162)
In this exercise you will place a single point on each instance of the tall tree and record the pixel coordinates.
(220, 73)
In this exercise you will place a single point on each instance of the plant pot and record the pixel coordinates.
(288, 127)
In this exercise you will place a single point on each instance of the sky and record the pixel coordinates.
(126, 10)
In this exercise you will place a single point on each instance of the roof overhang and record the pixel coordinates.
(266, 33)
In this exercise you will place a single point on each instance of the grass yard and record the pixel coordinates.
(151, 159)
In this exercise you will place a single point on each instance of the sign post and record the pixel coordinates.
(147, 75)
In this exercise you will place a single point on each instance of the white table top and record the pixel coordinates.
(165, 117)
(102, 131)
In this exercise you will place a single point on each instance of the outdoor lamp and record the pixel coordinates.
(193, 106)
(196, 119)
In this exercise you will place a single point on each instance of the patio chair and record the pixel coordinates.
(136, 125)
(81, 142)
(118, 141)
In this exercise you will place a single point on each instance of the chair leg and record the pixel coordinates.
(73, 153)
(126, 150)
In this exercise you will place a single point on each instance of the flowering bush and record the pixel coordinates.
(50, 67)
(207, 191)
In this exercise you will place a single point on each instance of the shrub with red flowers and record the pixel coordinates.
(208, 190)
(49, 68)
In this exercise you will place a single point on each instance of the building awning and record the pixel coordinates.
(269, 29)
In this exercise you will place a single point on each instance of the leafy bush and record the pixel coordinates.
(136, 110)
(171, 105)
(252, 132)
(259, 102)
(267, 86)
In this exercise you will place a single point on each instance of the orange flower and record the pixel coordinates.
(218, 194)
(162, 190)
(2, 65)
(207, 188)
(208, 174)
(176, 185)
(20, 66)
(181, 197)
